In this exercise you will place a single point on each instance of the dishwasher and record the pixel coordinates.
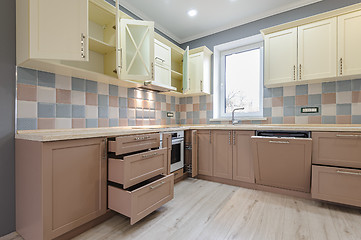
(282, 159)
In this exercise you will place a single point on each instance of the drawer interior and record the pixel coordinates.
(139, 185)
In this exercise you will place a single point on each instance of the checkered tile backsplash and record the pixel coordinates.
(49, 101)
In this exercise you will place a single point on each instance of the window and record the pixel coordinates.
(239, 79)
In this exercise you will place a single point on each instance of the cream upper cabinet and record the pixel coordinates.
(317, 50)
(52, 29)
(199, 71)
(186, 66)
(136, 51)
(281, 57)
(162, 63)
(349, 44)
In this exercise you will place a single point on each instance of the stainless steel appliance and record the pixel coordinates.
(177, 154)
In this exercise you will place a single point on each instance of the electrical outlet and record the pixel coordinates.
(309, 110)
(170, 114)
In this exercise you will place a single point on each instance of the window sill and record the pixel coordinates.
(241, 119)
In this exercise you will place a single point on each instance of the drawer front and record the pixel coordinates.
(142, 201)
(134, 143)
(178, 174)
(339, 185)
(137, 168)
(340, 149)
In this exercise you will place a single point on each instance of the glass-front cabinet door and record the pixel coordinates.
(136, 53)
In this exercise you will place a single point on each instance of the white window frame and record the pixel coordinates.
(220, 51)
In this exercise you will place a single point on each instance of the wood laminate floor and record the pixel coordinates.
(208, 210)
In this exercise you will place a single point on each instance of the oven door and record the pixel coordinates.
(177, 157)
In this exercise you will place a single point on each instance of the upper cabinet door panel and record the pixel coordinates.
(186, 70)
(59, 29)
(349, 47)
(281, 57)
(317, 52)
(137, 50)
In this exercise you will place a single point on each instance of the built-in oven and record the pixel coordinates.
(177, 153)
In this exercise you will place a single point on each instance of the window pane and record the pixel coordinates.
(243, 72)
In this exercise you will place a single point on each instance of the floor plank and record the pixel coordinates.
(209, 210)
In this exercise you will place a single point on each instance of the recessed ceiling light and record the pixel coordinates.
(192, 12)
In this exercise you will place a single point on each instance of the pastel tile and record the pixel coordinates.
(343, 119)
(183, 100)
(329, 98)
(63, 110)
(131, 122)
(343, 109)
(196, 115)
(62, 82)
(328, 119)
(301, 90)
(46, 110)
(123, 102)
(131, 113)
(46, 79)
(267, 103)
(277, 101)
(301, 100)
(46, 95)
(356, 108)
(91, 99)
(63, 123)
(27, 109)
(26, 123)
(196, 100)
(289, 101)
(113, 122)
(150, 96)
(122, 92)
(356, 119)
(77, 98)
(91, 123)
(344, 97)
(267, 92)
(267, 112)
(343, 86)
(103, 112)
(314, 99)
(26, 92)
(314, 120)
(356, 96)
(27, 76)
(113, 90)
(315, 88)
(356, 85)
(78, 123)
(132, 103)
(103, 100)
(131, 93)
(46, 123)
(277, 92)
(91, 112)
(139, 103)
(289, 120)
(277, 120)
(301, 119)
(189, 115)
(113, 112)
(288, 111)
(138, 94)
(103, 122)
(78, 111)
(78, 84)
(329, 87)
(277, 112)
(168, 99)
(113, 101)
(91, 86)
(189, 107)
(123, 113)
(63, 96)
(123, 122)
(289, 91)
(329, 109)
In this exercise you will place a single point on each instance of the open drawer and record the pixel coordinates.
(136, 168)
(134, 143)
(334, 184)
(142, 199)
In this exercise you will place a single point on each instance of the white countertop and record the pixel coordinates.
(81, 133)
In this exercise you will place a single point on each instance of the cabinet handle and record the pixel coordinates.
(156, 186)
(149, 155)
(141, 138)
(300, 71)
(160, 59)
(340, 66)
(82, 45)
(104, 144)
(210, 137)
(348, 135)
(121, 59)
(152, 71)
(294, 72)
(234, 137)
(229, 137)
(349, 173)
(282, 142)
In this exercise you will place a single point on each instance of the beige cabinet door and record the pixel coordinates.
(58, 29)
(75, 184)
(195, 72)
(222, 154)
(136, 51)
(349, 47)
(317, 50)
(242, 156)
(205, 153)
(281, 57)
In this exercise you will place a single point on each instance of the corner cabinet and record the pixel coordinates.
(59, 185)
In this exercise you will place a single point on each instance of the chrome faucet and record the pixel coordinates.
(235, 109)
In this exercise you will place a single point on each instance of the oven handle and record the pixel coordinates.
(176, 141)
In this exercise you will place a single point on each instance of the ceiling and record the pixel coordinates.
(171, 18)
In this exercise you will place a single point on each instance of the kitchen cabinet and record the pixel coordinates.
(349, 49)
(222, 154)
(162, 63)
(280, 57)
(59, 185)
(242, 156)
(205, 153)
(283, 162)
(317, 50)
(199, 71)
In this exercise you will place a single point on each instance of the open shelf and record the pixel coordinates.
(176, 75)
(100, 46)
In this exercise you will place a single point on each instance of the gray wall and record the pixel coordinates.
(7, 111)
(253, 28)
